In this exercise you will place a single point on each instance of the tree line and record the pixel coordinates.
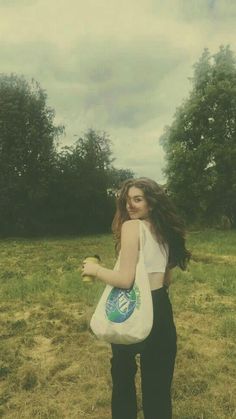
(45, 189)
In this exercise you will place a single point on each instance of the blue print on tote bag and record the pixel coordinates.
(121, 303)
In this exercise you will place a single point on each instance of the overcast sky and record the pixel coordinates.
(119, 66)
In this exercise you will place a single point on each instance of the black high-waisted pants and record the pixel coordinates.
(157, 359)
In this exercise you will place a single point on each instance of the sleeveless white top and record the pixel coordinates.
(155, 254)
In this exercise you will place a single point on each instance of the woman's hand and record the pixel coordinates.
(90, 268)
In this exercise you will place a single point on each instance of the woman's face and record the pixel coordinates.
(136, 204)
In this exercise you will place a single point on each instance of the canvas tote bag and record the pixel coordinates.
(125, 316)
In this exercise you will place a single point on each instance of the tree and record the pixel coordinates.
(79, 198)
(118, 176)
(27, 152)
(200, 144)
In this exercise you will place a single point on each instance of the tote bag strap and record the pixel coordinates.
(141, 236)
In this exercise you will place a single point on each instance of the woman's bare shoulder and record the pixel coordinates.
(130, 225)
(130, 228)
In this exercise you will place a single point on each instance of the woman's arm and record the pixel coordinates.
(168, 277)
(124, 277)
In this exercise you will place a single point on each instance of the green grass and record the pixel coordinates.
(51, 366)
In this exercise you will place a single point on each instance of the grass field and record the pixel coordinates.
(51, 366)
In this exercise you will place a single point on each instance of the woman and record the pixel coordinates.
(163, 248)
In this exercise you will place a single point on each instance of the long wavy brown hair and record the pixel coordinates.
(168, 226)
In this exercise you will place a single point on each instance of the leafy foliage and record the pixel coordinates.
(200, 144)
(78, 197)
(45, 190)
(117, 176)
(84, 185)
(27, 152)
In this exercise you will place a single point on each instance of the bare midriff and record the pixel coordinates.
(156, 280)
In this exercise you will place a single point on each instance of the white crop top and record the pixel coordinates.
(155, 254)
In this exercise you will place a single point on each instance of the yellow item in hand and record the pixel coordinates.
(93, 259)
